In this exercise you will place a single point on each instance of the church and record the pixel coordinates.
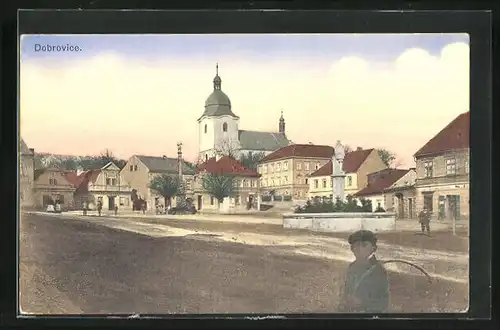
(219, 133)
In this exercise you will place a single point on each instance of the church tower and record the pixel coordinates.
(218, 126)
(282, 124)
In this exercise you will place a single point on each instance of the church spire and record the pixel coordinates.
(282, 123)
(217, 80)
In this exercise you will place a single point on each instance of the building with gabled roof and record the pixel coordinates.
(377, 184)
(245, 183)
(218, 129)
(140, 170)
(357, 165)
(51, 187)
(442, 165)
(103, 184)
(285, 172)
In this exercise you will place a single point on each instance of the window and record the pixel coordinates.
(299, 166)
(306, 165)
(285, 166)
(122, 201)
(286, 179)
(324, 183)
(271, 168)
(466, 166)
(278, 167)
(272, 183)
(428, 169)
(252, 183)
(211, 200)
(316, 166)
(307, 181)
(108, 181)
(135, 167)
(428, 202)
(52, 181)
(451, 166)
(131, 168)
(316, 183)
(349, 181)
(245, 183)
(206, 128)
(224, 127)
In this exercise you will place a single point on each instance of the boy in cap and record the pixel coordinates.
(367, 288)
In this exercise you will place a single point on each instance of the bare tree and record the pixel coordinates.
(389, 158)
(227, 147)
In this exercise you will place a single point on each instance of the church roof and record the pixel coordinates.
(264, 141)
(163, 164)
(218, 104)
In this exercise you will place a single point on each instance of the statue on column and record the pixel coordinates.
(338, 174)
(180, 192)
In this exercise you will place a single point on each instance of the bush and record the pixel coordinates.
(266, 198)
(287, 197)
(350, 205)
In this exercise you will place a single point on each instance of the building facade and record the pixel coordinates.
(357, 165)
(245, 183)
(378, 182)
(52, 186)
(285, 172)
(400, 197)
(104, 184)
(219, 133)
(140, 170)
(26, 176)
(442, 164)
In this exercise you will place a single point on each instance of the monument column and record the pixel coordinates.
(180, 194)
(338, 174)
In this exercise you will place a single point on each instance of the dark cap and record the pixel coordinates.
(362, 236)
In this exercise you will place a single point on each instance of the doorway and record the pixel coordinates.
(453, 207)
(410, 208)
(111, 203)
(200, 199)
(401, 206)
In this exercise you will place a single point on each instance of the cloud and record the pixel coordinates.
(133, 106)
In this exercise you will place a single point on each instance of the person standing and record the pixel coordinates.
(99, 207)
(424, 217)
(366, 288)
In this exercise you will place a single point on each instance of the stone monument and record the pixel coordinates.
(180, 197)
(338, 174)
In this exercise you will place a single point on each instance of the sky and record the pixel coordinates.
(141, 94)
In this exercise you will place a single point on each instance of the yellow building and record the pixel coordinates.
(245, 182)
(442, 165)
(285, 172)
(357, 165)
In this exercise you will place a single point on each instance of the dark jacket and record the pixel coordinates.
(367, 282)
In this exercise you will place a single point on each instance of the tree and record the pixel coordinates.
(218, 185)
(107, 156)
(227, 148)
(166, 186)
(250, 160)
(389, 158)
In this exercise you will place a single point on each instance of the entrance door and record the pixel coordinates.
(442, 209)
(111, 202)
(410, 208)
(401, 206)
(199, 201)
(453, 206)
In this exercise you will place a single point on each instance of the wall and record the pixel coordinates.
(328, 191)
(373, 163)
(44, 187)
(341, 222)
(215, 136)
(136, 179)
(26, 180)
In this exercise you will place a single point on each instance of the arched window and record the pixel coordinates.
(224, 127)
(205, 128)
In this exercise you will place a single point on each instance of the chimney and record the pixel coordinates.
(359, 148)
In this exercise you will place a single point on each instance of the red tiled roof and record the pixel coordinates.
(454, 136)
(82, 180)
(352, 161)
(300, 150)
(226, 165)
(385, 180)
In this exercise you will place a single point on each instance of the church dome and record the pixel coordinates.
(218, 103)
